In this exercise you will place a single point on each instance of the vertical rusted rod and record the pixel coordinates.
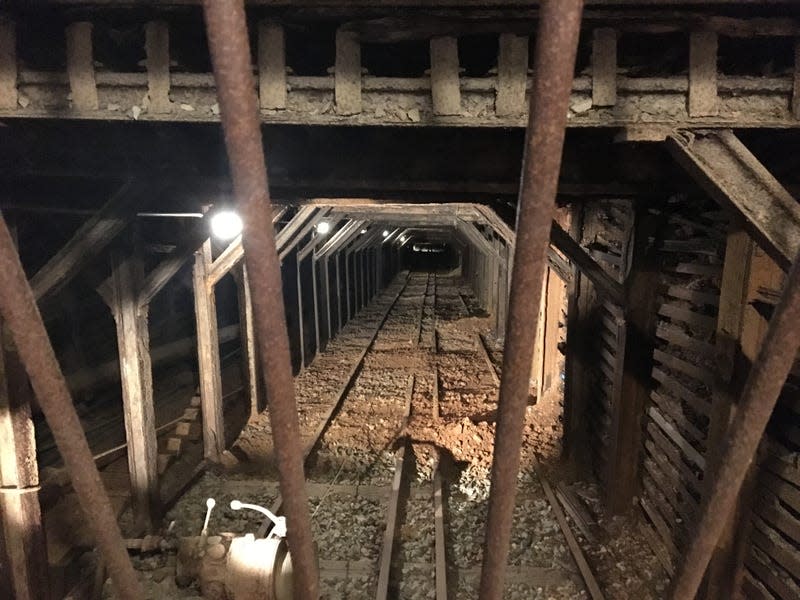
(761, 390)
(556, 48)
(230, 57)
(19, 309)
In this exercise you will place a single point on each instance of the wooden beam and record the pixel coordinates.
(732, 303)
(167, 268)
(796, 81)
(133, 342)
(702, 74)
(80, 66)
(604, 67)
(88, 241)
(271, 66)
(735, 178)
(604, 283)
(8, 64)
(445, 86)
(208, 357)
(636, 333)
(347, 73)
(25, 574)
(247, 340)
(156, 46)
(512, 75)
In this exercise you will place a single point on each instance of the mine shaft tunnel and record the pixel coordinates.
(461, 356)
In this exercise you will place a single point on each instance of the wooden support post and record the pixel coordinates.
(512, 75)
(795, 87)
(733, 295)
(604, 67)
(326, 303)
(133, 342)
(636, 353)
(339, 319)
(271, 66)
(445, 86)
(205, 307)
(702, 74)
(554, 302)
(315, 299)
(301, 336)
(8, 65)
(347, 73)
(80, 66)
(156, 46)
(347, 282)
(24, 576)
(247, 340)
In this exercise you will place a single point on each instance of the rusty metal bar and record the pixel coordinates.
(19, 309)
(764, 384)
(230, 57)
(556, 48)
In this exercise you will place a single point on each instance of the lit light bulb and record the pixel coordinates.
(385, 233)
(363, 231)
(402, 238)
(226, 225)
(323, 227)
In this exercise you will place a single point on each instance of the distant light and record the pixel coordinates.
(402, 238)
(385, 233)
(226, 225)
(323, 227)
(363, 231)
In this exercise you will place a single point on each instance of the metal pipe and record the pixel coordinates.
(230, 57)
(764, 384)
(19, 309)
(556, 49)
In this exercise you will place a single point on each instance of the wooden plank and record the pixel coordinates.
(164, 272)
(347, 73)
(512, 75)
(133, 342)
(657, 546)
(604, 67)
(796, 81)
(673, 412)
(677, 438)
(674, 335)
(661, 528)
(680, 392)
(673, 453)
(80, 66)
(247, 339)
(674, 363)
(686, 510)
(687, 316)
(387, 549)
(702, 74)
(754, 588)
(577, 554)
(271, 66)
(89, 240)
(439, 538)
(445, 85)
(683, 293)
(208, 357)
(775, 547)
(8, 64)
(157, 51)
(778, 584)
(22, 542)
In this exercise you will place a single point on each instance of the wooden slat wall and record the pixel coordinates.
(772, 556)
(606, 236)
(677, 419)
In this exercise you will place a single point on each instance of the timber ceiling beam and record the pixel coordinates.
(735, 178)
(89, 241)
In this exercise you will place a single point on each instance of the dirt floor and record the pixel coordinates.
(426, 357)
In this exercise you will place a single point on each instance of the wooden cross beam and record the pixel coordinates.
(89, 240)
(735, 178)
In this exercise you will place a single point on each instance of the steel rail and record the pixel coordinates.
(230, 57)
(761, 390)
(19, 309)
(556, 49)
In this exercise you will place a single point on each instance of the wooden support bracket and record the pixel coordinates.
(157, 50)
(604, 67)
(445, 86)
(512, 75)
(80, 66)
(347, 74)
(703, 74)
(271, 66)
(8, 64)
